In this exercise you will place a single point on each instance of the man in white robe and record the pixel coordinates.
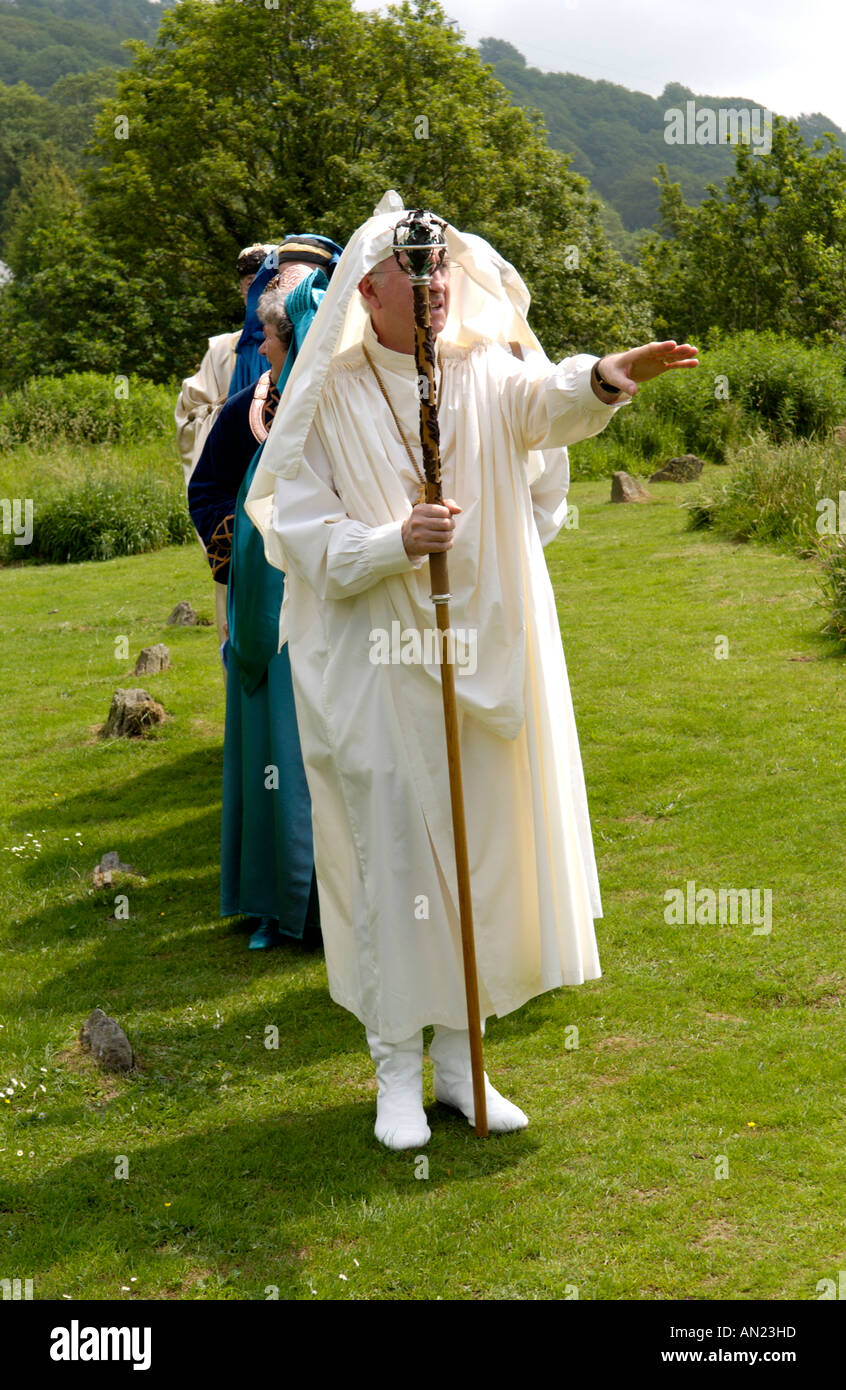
(335, 497)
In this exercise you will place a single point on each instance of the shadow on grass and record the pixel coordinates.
(310, 1029)
(189, 783)
(152, 909)
(236, 1189)
(157, 958)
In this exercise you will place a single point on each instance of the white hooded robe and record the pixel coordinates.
(330, 499)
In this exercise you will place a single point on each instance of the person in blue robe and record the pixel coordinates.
(302, 249)
(267, 856)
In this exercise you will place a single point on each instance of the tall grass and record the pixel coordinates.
(93, 502)
(788, 495)
(776, 493)
(103, 518)
(639, 440)
(86, 408)
(833, 559)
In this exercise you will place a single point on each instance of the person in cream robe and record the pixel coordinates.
(203, 396)
(335, 497)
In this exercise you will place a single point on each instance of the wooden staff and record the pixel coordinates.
(419, 248)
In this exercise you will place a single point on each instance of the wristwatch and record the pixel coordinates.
(603, 384)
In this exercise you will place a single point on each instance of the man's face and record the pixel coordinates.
(388, 293)
(244, 285)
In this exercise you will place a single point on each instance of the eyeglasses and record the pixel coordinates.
(394, 269)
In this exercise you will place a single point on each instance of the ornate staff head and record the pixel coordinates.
(420, 245)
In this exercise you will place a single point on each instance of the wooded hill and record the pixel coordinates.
(43, 40)
(616, 136)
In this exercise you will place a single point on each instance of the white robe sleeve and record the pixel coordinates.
(549, 494)
(336, 556)
(202, 398)
(557, 408)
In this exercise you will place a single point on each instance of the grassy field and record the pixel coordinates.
(689, 1146)
(34, 471)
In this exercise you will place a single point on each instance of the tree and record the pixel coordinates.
(27, 121)
(30, 123)
(244, 122)
(767, 251)
(73, 305)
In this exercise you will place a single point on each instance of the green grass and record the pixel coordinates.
(252, 1168)
(92, 502)
(784, 494)
(39, 471)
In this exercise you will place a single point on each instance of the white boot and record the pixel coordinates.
(400, 1117)
(450, 1053)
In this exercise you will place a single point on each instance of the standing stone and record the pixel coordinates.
(133, 713)
(625, 488)
(110, 864)
(152, 660)
(107, 1042)
(183, 615)
(679, 470)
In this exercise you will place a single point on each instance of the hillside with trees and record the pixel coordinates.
(43, 40)
(616, 136)
(126, 193)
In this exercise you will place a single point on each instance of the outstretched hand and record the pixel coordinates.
(625, 370)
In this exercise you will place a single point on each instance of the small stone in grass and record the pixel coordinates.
(107, 1042)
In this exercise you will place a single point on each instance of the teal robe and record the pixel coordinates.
(267, 855)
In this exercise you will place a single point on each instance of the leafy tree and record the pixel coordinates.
(27, 121)
(78, 98)
(51, 128)
(244, 122)
(766, 251)
(73, 305)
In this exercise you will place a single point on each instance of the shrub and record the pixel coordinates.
(702, 510)
(86, 407)
(102, 518)
(789, 495)
(833, 556)
(773, 493)
(774, 384)
(638, 440)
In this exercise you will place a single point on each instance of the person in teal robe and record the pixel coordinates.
(300, 248)
(267, 856)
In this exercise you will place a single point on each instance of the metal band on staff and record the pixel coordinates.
(419, 248)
